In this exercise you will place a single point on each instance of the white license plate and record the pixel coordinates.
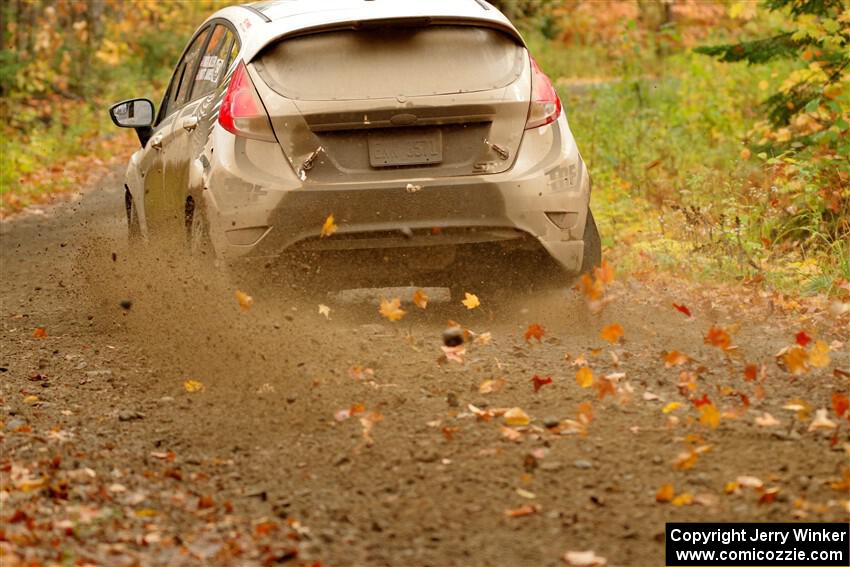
(410, 148)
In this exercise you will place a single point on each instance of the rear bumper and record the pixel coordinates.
(544, 200)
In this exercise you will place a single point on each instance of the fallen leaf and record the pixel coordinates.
(534, 331)
(675, 358)
(685, 460)
(708, 415)
(39, 333)
(420, 299)
(749, 482)
(840, 403)
(526, 493)
(193, 386)
(604, 387)
(718, 337)
(612, 333)
(604, 273)
(454, 353)
(522, 511)
(750, 372)
(794, 360)
(328, 228)
(539, 382)
(391, 309)
(802, 408)
(360, 373)
(515, 416)
(766, 420)
(584, 377)
(510, 434)
(325, 310)
(802, 338)
(483, 338)
(821, 421)
(470, 300)
(682, 309)
(584, 559)
(819, 355)
(665, 493)
(592, 288)
(490, 386)
(672, 406)
(244, 300)
(684, 499)
(768, 496)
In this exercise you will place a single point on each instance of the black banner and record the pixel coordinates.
(758, 544)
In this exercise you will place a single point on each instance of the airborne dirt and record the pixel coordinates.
(110, 459)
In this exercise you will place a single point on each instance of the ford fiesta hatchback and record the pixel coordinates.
(420, 129)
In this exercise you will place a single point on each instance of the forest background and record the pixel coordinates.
(717, 133)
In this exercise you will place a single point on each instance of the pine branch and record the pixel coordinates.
(757, 51)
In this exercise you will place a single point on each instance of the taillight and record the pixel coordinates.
(241, 111)
(545, 104)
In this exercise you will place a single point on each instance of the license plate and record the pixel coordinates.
(409, 148)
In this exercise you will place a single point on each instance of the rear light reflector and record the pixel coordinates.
(242, 113)
(545, 104)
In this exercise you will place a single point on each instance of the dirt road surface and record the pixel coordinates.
(346, 441)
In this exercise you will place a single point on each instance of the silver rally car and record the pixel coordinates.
(424, 128)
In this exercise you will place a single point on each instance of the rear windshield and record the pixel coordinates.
(391, 62)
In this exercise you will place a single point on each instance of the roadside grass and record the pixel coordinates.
(675, 187)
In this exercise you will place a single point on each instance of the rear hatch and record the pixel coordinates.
(396, 101)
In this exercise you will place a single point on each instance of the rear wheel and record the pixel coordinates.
(198, 233)
(592, 257)
(134, 231)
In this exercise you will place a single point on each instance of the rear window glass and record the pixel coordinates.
(391, 62)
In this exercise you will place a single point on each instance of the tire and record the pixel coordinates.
(198, 242)
(134, 230)
(592, 256)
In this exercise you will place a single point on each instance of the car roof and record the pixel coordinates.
(266, 21)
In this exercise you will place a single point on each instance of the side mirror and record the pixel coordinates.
(135, 113)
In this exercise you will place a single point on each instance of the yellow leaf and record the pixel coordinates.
(796, 360)
(391, 309)
(584, 377)
(731, 487)
(665, 493)
(420, 299)
(515, 416)
(672, 406)
(193, 386)
(328, 228)
(683, 499)
(471, 301)
(612, 333)
(819, 355)
(708, 415)
(245, 301)
(31, 400)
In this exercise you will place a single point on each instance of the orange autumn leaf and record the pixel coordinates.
(585, 412)
(328, 228)
(604, 274)
(356, 408)
(718, 337)
(840, 403)
(612, 333)
(795, 360)
(522, 511)
(244, 300)
(420, 299)
(39, 333)
(534, 331)
(819, 355)
(591, 288)
(605, 387)
(665, 493)
(684, 499)
(391, 309)
(685, 460)
(675, 358)
(584, 377)
(708, 415)
(750, 372)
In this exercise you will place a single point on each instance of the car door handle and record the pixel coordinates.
(156, 142)
(189, 123)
